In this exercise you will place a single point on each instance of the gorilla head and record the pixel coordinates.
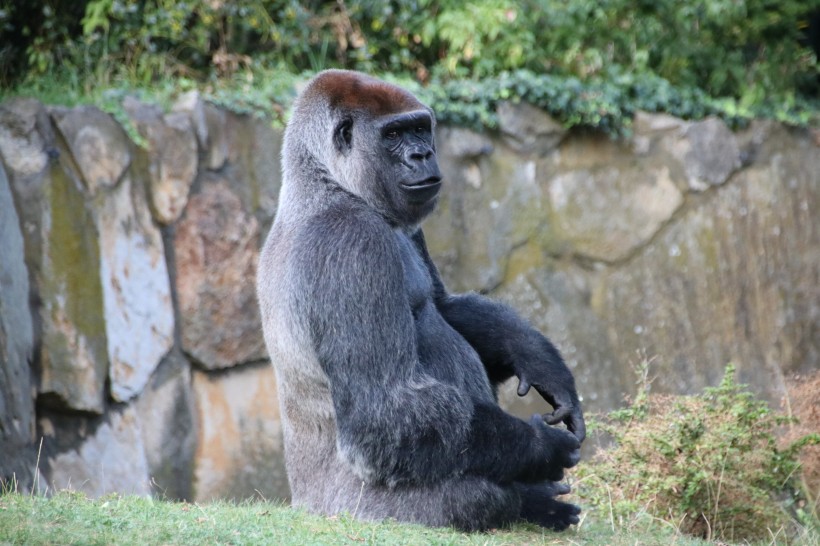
(376, 139)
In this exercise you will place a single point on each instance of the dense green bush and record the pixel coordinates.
(588, 61)
(709, 464)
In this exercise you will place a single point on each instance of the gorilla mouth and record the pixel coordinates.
(422, 191)
(425, 185)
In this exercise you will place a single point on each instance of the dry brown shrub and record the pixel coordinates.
(708, 464)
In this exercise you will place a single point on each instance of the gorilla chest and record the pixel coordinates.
(443, 352)
(417, 281)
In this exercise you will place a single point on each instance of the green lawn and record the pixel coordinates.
(70, 518)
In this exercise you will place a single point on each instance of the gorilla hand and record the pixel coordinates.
(538, 364)
(566, 407)
(557, 449)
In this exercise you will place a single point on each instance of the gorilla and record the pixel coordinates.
(387, 382)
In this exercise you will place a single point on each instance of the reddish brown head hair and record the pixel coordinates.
(356, 91)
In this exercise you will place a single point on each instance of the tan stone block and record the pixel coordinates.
(239, 453)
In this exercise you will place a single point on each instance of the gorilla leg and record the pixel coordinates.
(466, 503)
(539, 505)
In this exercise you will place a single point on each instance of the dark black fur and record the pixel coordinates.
(387, 382)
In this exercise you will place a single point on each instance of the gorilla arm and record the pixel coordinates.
(395, 423)
(509, 346)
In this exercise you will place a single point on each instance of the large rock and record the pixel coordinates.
(239, 454)
(242, 150)
(265, 171)
(168, 427)
(139, 315)
(24, 150)
(62, 254)
(16, 349)
(706, 151)
(172, 157)
(98, 144)
(254, 173)
(607, 214)
(218, 130)
(528, 129)
(733, 280)
(489, 207)
(97, 456)
(138, 312)
(613, 254)
(216, 247)
(192, 105)
(709, 153)
(73, 359)
(459, 143)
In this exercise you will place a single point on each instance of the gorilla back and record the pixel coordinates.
(386, 380)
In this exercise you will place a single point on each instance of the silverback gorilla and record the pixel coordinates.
(387, 381)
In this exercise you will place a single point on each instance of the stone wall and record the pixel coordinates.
(131, 354)
(129, 334)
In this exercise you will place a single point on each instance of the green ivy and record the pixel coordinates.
(606, 104)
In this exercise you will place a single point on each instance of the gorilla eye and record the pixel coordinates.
(391, 134)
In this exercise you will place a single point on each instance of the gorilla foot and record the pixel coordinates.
(539, 506)
(553, 514)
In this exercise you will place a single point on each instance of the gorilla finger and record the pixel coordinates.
(573, 458)
(560, 515)
(537, 420)
(523, 386)
(561, 488)
(554, 489)
(575, 424)
(557, 416)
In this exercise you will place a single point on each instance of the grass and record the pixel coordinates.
(71, 518)
(641, 499)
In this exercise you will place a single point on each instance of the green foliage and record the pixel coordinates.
(726, 47)
(588, 62)
(709, 464)
(607, 104)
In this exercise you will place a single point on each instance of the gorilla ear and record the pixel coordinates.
(343, 136)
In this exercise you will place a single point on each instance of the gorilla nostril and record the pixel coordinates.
(421, 155)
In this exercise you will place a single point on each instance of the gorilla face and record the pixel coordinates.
(408, 138)
(399, 154)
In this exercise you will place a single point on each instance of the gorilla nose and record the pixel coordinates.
(421, 155)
